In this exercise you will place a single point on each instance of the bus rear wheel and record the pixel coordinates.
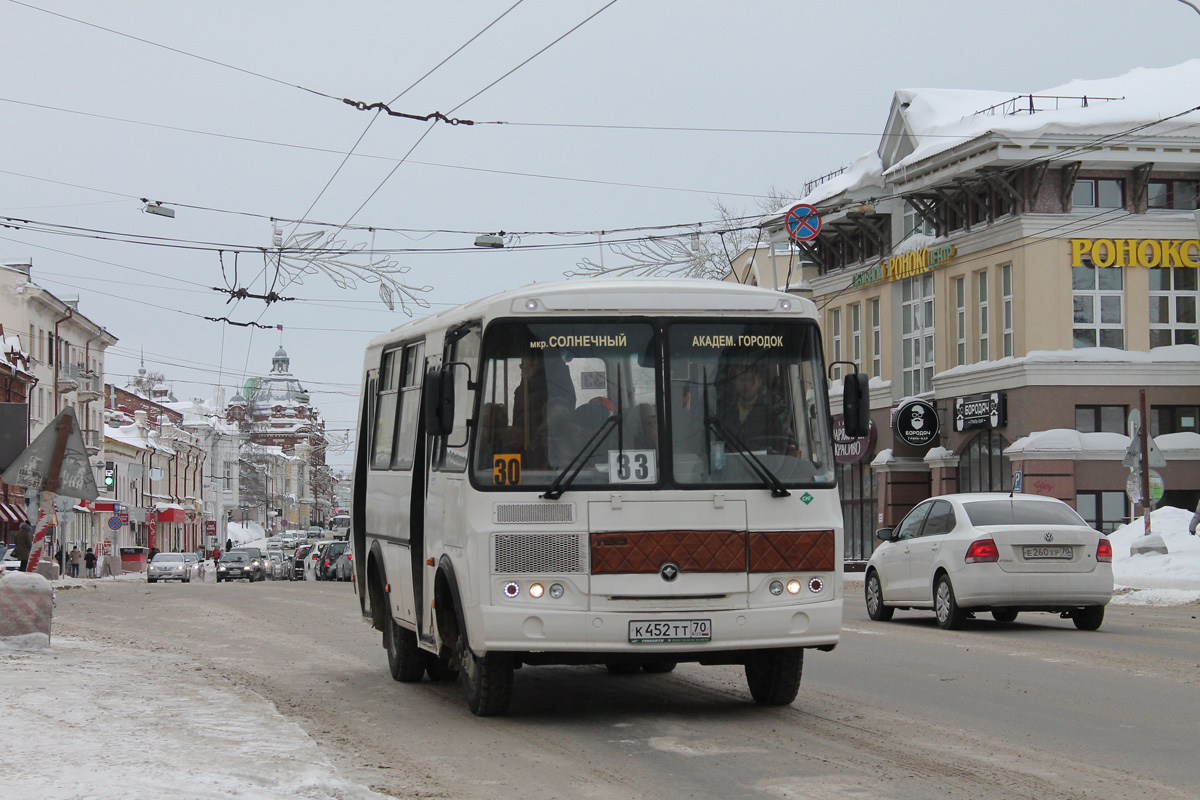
(774, 675)
(488, 680)
(404, 657)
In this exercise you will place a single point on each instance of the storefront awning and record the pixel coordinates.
(171, 515)
(7, 514)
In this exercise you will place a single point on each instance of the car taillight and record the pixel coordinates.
(327, 562)
(982, 550)
(1104, 550)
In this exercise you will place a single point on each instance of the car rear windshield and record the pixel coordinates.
(1021, 512)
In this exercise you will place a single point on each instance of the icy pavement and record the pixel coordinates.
(76, 726)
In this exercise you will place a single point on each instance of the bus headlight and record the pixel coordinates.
(556, 590)
(511, 590)
(536, 590)
(793, 586)
(776, 587)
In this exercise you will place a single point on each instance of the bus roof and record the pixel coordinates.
(637, 295)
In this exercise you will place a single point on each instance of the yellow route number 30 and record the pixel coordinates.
(506, 469)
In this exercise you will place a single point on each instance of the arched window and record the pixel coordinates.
(983, 467)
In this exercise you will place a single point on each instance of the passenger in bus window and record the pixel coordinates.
(748, 411)
(543, 403)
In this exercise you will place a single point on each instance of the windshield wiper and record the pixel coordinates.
(563, 481)
(769, 479)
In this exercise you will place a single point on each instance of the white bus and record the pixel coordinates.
(628, 473)
(339, 526)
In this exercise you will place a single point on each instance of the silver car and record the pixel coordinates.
(195, 565)
(960, 554)
(169, 567)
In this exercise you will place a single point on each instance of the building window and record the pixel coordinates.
(1100, 419)
(914, 222)
(1174, 419)
(1006, 307)
(1104, 511)
(835, 331)
(1098, 294)
(1180, 195)
(856, 485)
(1098, 193)
(917, 343)
(983, 466)
(876, 341)
(856, 335)
(985, 341)
(960, 320)
(1173, 306)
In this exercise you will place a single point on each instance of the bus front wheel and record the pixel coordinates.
(774, 675)
(488, 680)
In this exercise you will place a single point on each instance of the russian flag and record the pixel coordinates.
(278, 327)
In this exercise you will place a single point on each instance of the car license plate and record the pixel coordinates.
(1046, 552)
(670, 630)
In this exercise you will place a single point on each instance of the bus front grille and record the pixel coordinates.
(539, 553)
(533, 513)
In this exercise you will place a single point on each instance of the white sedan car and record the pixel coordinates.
(959, 554)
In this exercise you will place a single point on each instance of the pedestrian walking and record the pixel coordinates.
(23, 544)
(89, 563)
(228, 545)
(1195, 521)
(75, 559)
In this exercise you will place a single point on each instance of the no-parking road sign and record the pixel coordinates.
(114, 523)
(803, 222)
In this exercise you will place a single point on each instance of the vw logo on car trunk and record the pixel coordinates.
(669, 571)
(1049, 537)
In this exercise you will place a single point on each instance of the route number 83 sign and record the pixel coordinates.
(632, 466)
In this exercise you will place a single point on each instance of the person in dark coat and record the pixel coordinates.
(22, 544)
(89, 563)
(542, 402)
(750, 415)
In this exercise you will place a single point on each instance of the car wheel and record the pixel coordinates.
(660, 666)
(1089, 618)
(1004, 614)
(774, 675)
(188, 579)
(876, 610)
(623, 667)
(488, 680)
(949, 615)
(403, 654)
(218, 579)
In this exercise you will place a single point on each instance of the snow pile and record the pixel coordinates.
(1153, 578)
(179, 733)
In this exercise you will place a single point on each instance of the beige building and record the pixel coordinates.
(1025, 265)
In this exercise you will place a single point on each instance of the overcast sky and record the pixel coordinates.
(230, 113)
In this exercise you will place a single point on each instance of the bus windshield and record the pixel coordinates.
(556, 390)
(578, 404)
(747, 398)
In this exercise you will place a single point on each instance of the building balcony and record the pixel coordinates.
(93, 442)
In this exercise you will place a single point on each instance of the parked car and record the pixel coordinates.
(169, 567)
(238, 565)
(257, 557)
(961, 554)
(328, 560)
(343, 568)
(195, 565)
(296, 572)
(11, 562)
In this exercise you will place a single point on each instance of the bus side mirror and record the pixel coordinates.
(439, 402)
(856, 405)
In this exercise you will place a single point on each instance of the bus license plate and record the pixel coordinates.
(670, 630)
(1047, 552)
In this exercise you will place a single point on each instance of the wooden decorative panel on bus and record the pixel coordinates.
(791, 551)
(636, 552)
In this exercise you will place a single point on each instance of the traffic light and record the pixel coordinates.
(110, 474)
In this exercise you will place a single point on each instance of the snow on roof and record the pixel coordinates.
(1177, 353)
(1067, 440)
(940, 119)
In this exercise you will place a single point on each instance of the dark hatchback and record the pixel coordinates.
(296, 565)
(327, 565)
(236, 565)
